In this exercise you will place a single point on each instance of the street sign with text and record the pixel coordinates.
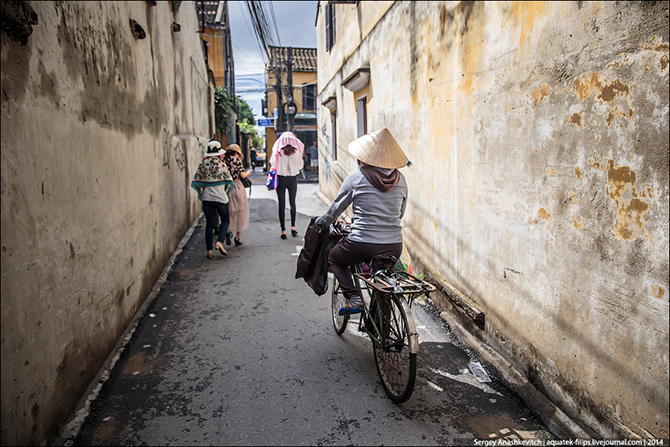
(267, 122)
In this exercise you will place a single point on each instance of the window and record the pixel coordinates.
(361, 116)
(330, 26)
(333, 132)
(309, 97)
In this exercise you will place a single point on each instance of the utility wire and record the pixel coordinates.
(251, 60)
(274, 20)
(259, 47)
(259, 25)
(259, 20)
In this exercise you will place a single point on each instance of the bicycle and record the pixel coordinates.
(387, 319)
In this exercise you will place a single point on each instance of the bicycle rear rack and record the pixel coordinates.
(396, 282)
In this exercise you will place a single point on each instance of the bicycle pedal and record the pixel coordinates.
(362, 328)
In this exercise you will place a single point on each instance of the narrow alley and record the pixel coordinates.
(235, 351)
(534, 144)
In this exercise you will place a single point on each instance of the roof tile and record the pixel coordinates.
(304, 59)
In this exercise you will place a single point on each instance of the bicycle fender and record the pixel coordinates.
(414, 347)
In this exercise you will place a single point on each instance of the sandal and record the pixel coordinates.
(238, 241)
(294, 233)
(228, 237)
(283, 234)
(219, 246)
(354, 306)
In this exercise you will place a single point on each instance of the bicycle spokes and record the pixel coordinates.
(396, 363)
(388, 321)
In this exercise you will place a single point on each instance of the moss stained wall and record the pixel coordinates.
(539, 137)
(100, 135)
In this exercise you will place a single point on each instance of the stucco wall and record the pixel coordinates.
(539, 137)
(100, 135)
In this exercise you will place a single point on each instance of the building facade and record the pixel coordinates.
(538, 194)
(106, 113)
(216, 33)
(297, 87)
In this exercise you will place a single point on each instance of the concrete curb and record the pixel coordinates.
(555, 419)
(73, 426)
(322, 198)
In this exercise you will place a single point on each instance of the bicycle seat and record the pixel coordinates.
(382, 262)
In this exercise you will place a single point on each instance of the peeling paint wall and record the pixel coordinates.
(100, 135)
(538, 133)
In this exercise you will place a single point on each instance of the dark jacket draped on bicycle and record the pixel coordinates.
(377, 192)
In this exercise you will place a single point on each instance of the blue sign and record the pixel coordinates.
(266, 122)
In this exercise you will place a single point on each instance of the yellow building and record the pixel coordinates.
(214, 23)
(525, 191)
(302, 90)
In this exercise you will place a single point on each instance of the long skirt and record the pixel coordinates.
(238, 207)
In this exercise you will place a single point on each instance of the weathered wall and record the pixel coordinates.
(539, 137)
(100, 134)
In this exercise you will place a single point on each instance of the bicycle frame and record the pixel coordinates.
(387, 283)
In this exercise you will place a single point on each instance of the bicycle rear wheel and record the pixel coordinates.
(338, 301)
(395, 355)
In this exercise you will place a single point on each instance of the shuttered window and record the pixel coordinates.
(330, 26)
(309, 97)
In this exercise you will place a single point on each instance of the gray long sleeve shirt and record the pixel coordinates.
(377, 214)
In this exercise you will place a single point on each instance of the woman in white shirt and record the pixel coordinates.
(287, 153)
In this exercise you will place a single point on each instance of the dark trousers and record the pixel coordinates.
(291, 184)
(347, 253)
(211, 209)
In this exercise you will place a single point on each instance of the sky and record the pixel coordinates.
(296, 28)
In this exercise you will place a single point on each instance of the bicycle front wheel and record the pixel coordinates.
(338, 301)
(395, 354)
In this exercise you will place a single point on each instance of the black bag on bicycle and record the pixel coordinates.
(318, 280)
(309, 253)
(313, 259)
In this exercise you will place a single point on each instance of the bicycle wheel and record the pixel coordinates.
(395, 355)
(339, 322)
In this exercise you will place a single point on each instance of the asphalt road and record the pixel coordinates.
(236, 351)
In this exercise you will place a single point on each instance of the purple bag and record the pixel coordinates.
(272, 180)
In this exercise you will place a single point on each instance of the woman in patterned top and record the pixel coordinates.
(238, 206)
(213, 183)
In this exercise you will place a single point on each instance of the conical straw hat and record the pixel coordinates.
(379, 149)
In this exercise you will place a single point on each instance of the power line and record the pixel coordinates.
(244, 80)
(260, 27)
(250, 58)
(250, 75)
(261, 50)
(274, 20)
(260, 24)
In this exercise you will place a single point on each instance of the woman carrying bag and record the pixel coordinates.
(286, 159)
(239, 204)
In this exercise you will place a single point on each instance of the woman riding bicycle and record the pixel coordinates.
(378, 192)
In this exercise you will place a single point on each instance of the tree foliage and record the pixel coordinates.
(223, 113)
(223, 108)
(249, 129)
(244, 111)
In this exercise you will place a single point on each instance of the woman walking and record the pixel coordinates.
(239, 204)
(213, 183)
(287, 153)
